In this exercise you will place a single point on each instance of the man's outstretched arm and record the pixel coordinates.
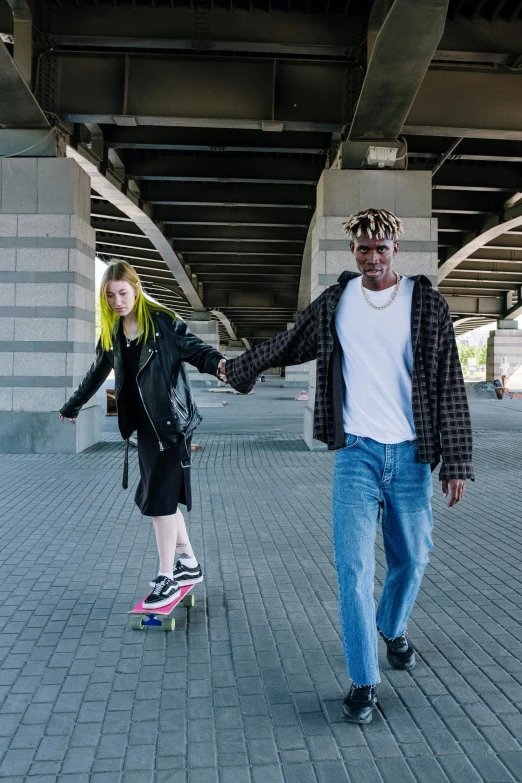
(294, 346)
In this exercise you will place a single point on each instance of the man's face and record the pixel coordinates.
(374, 259)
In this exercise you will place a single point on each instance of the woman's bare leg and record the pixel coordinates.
(171, 539)
(166, 530)
(183, 545)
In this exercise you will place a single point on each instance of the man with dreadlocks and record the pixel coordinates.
(390, 399)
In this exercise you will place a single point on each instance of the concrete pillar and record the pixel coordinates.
(505, 341)
(298, 375)
(47, 296)
(208, 331)
(342, 192)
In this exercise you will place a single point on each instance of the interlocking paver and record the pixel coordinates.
(234, 775)
(299, 773)
(248, 689)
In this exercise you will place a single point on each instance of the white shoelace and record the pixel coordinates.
(159, 586)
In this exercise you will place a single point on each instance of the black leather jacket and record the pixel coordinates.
(162, 378)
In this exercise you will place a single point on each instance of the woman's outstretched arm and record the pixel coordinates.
(93, 379)
(193, 350)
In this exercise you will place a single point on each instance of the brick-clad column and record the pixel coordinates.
(505, 341)
(47, 295)
(342, 192)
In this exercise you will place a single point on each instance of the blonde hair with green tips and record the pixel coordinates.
(122, 272)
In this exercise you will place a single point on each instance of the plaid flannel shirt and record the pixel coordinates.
(439, 399)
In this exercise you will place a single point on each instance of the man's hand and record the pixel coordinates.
(221, 371)
(63, 419)
(456, 489)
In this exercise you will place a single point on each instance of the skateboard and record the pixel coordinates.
(141, 618)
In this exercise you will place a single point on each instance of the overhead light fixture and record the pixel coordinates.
(382, 157)
(377, 154)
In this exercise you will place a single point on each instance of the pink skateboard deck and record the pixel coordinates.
(142, 617)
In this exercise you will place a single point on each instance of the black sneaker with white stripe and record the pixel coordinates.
(183, 574)
(187, 576)
(165, 591)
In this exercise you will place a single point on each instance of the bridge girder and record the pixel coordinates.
(240, 117)
(251, 94)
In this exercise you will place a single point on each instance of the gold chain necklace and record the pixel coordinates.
(390, 300)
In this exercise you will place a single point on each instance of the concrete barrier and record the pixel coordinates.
(480, 390)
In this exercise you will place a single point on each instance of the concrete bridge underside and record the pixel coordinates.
(198, 140)
(214, 122)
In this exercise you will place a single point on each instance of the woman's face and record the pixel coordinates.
(121, 297)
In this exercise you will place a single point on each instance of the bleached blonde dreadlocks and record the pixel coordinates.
(377, 223)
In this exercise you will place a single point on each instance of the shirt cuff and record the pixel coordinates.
(456, 470)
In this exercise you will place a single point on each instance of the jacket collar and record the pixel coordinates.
(147, 347)
(345, 277)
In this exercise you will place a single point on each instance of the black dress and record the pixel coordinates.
(163, 481)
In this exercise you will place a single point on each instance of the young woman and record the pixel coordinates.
(146, 344)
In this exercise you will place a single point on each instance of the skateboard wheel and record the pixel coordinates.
(189, 600)
(136, 623)
(168, 624)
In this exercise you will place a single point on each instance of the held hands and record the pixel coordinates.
(456, 489)
(221, 374)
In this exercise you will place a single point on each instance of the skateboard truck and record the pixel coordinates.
(141, 618)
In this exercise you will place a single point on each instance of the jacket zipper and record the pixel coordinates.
(180, 408)
(190, 421)
(161, 446)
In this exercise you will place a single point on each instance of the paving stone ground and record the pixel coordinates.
(248, 688)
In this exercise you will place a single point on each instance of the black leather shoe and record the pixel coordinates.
(359, 704)
(400, 653)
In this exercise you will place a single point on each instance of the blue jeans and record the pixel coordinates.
(369, 478)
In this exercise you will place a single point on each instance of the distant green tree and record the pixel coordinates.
(467, 352)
